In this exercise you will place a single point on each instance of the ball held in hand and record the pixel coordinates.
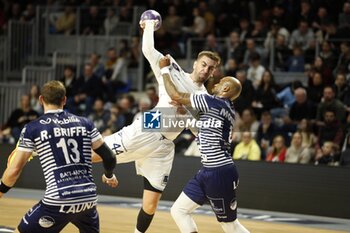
(152, 15)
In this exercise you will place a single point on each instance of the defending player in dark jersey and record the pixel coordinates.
(217, 180)
(63, 143)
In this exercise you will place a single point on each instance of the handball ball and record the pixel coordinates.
(152, 15)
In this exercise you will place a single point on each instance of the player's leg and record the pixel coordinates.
(181, 212)
(155, 169)
(190, 199)
(233, 227)
(87, 221)
(150, 199)
(220, 189)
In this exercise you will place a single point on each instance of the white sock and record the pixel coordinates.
(181, 212)
(233, 227)
(137, 231)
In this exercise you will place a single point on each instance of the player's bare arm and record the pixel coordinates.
(13, 171)
(182, 98)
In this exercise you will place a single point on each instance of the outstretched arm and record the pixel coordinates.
(13, 170)
(182, 98)
(148, 49)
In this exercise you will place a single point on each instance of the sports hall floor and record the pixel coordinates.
(118, 214)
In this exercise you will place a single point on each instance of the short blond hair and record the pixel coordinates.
(212, 55)
(53, 92)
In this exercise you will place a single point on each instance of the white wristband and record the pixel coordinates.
(165, 70)
(108, 179)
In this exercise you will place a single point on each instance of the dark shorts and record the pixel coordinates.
(49, 219)
(218, 187)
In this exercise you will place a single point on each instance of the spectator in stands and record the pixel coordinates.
(265, 97)
(328, 154)
(275, 30)
(296, 61)
(152, 95)
(110, 62)
(66, 22)
(247, 122)
(211, 44)
(34, 99)
(278, 150)
(172, 24)
(91, 21)
(127, 108)
(144, 104)
(135, 52)
(247, 149)
(247, 95)
(327, 55)
(341, 87)
(244, 29)
(198, 25)
(258, 32)
(251, 49)
(97, 66)
(15, 13)
(69, 81)
(344, 17)
(315, 87)
(344, 59)
(18, 118)
(303, 36)
(309, 139)
(231, 67)
(125, 14)
(329, 101)
(296, 153)
(326, 72)
(302, 108)
(235, 48)
(281, 53)
(256, 70)
(266, 132)
(89, 88)
(330, 129)
(306, 12)
(110, 22)
(279, 14)
(208, 16)
(99, 116)
(116, 120)
(321, 19)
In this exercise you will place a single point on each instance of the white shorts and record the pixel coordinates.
(153, 154)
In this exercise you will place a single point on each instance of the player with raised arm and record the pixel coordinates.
(153, 152)
(217, 180)
(63, 143)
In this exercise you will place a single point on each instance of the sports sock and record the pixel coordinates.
(143, 221)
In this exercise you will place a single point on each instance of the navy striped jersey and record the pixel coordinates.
(216, 117)
(63, 143)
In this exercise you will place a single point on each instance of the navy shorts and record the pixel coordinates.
(49, 219)
(218, 187)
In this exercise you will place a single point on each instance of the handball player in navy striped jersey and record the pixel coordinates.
(217, 181)
(63, 143)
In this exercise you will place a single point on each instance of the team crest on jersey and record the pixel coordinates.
(46, 221)
(152, 120)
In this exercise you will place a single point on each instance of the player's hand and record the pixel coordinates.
(150, 21)
(164, 61)
(180, 109)
(112, 182)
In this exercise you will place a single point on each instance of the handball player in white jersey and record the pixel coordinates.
(153, 152)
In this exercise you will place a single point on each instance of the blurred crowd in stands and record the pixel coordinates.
(298, 122)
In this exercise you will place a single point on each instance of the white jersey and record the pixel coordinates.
(180, 78)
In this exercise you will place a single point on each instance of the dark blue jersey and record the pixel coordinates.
(216, 119)
(63, 143)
